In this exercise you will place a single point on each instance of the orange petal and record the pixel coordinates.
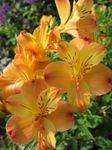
(79, 98)
(34, 88)
(41, 32)
(90, 56)
(85, 6)
(63, 7)
(79, 43)
(19, 105)
(49, 133)
(24, 104)
(58, 74)
(27, 42)
(86, 27)
(71, 28)
(10, 80)
(9, 75)
(20, 130)
(99, 79)
(48, 100)
(12, 89)
(62, 117)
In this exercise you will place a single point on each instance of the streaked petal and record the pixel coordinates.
(9, 75)
(20, 130)
(68, 52)
(49, 132)
(90, 56)
(41, 32)
(24, 104)
(99, 79)
(63, 7)
(80, 100)
(86, 27)
(27, 41)
(48, 100)
(84, 6)
(16, 104)
(62, 117)
(58, 74)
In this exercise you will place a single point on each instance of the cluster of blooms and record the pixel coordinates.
(32, 85)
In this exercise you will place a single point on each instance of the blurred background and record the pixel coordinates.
(92, 129)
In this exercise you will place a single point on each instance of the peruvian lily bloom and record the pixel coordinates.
(80, 73)
(80, 22)
(38, 113)
(22, 69)
(30, 59)
(40, 42)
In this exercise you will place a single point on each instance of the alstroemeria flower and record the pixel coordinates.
(38, 113)
(22, 69)
(81, 22)
(40, 42)
(80, 73)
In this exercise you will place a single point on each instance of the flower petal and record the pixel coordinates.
(16, 104)
(9, 75)
(49, 133)
(79, 43)
(42, 33)
(24, 104)
(12, 89)
(78, 97)
(86, 27)
(62, 117)
(27, 41)
(20, 130)
(48, 100)
(84, 6)
(90, 56)
(63, 7)
(58, 74)
(99, 79)
(33, 88)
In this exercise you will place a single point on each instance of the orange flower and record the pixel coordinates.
(40, 42)
(81, 22)
(38, 114)
(22, 69)
(80, 73)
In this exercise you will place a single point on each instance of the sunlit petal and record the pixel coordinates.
(86, 27)
(24, 104)
(62, 117)
(48, 100)
(12, 89)
(20, 130)
(84, 6)
(49, 132)
(58, 74)
(9, 75)
(27, 41)
(90, 56)
(99, 79)
(34, 88)
(63, 7)
(41, 32)
(79, 43)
